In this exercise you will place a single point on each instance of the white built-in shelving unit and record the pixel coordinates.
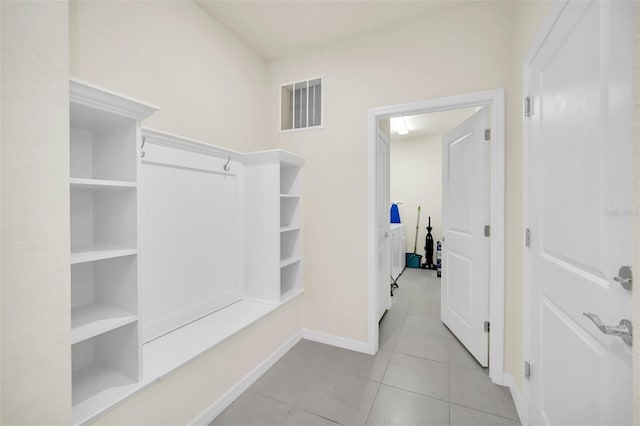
(274, 187)
(147, 205)
(290, 226)
(105, 331)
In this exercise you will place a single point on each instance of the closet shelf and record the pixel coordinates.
(92, 253)
(289, 261)
(285, 297)
(91, 320)
(100, 183)
(289, 228)
(96, 387)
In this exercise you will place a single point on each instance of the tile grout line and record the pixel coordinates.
(270, 397)
(334, 370)
(373, 403)
(484, 412)
(418, 393)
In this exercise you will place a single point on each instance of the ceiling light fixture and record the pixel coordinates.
(400, 125)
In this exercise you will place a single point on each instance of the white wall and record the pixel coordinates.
(208, 86)
(528, 18)
(416, 179)
(455, 52)
(35, 357)
(479, 47)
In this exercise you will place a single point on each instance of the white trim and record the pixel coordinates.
(303, 129)
(214, 410)
(495, 100)
(337, 341)
(518, 401)
(169, 140)
(87, 94)
(372, 240)
(539, 40)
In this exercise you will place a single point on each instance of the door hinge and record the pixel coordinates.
(487, 230)
(487, 134)
(527, 237)
(486, 326)
(527, 369)
(528, 107)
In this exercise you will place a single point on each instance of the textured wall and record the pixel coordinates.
(208, 84)
(35, 360)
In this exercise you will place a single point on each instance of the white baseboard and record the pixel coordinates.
(340, 342)
(211, 412)
(519, 402)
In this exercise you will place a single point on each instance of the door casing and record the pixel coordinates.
(494, 100)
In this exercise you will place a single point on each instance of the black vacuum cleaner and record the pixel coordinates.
(428, 249)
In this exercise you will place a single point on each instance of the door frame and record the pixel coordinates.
(494, 99)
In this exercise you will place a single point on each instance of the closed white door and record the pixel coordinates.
(465, 252)
(581, 210)
(383, 247)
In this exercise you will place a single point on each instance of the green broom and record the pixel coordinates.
(415, 242)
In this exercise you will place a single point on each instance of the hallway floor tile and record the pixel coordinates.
(422, 375)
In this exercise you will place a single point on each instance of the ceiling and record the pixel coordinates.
(276, 29)
(433, 123)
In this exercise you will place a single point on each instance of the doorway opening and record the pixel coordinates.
(455, 109)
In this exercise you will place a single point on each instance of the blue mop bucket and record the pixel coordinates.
(413, 260)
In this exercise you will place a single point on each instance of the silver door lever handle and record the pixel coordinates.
(624, 329)
(625, 277)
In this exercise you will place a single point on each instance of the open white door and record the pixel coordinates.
(581, 212)
(382, 199)
(465, 212)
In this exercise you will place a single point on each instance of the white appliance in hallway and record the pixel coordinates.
(465, 213)
(398, 247)
(581, 210)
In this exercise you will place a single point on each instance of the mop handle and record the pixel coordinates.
(415, 243)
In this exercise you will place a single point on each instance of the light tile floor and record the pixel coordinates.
(422, 375)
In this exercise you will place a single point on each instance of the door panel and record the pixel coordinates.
(460, 186)
(465, 251)
(460, 290)
(566, 376)
(382, 197)
(581, 210)
(571, 116)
